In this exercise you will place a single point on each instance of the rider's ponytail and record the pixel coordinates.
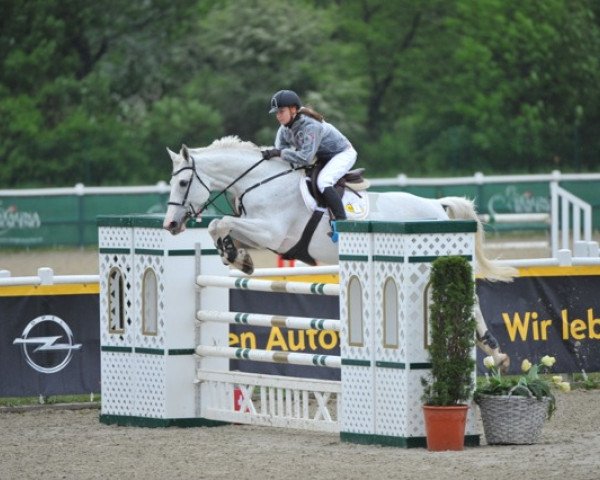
(309, 111)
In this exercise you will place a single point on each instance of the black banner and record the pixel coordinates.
(530, 317)
(275, 338)
(49, 345)
(536, 316)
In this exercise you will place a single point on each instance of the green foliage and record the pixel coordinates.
(452, 326)
(94, 91)
(530, 384)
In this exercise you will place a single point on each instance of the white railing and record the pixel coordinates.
(479, 178)
(80, 190)
(45, 276)
(574, 221)
(271, 400)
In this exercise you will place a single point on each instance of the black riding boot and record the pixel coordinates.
(334, 202)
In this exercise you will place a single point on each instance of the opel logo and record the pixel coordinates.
(47, 344)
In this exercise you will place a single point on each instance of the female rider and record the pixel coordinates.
(304, 135)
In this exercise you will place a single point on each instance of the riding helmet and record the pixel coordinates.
(284, 98)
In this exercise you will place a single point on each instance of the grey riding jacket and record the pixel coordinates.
(307, 138)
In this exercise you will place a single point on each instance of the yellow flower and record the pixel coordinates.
(557, 379)
(526, 365)
(548, 361)
(489, 362)
(564, 386)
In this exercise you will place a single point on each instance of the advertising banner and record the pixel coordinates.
(547, 311)
(49, 340)
(322, 342)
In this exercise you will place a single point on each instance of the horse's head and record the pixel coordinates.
(189, 192)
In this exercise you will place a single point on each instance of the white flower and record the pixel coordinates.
(548, 361)
(557, 379)
(526, 365)
(489, 362)
(564, 386)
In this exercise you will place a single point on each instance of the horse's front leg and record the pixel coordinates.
(488, 343)
(229, 231)
(228, 248)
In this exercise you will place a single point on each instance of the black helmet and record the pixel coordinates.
(284, 98)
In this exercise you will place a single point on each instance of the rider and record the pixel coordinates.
(302, 135)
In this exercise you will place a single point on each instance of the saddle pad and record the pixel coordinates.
(357, 207)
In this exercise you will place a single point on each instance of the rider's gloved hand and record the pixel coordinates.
(270, 153)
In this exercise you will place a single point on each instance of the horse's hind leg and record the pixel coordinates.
(488, 343)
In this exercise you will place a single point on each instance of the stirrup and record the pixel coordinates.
(334, 235)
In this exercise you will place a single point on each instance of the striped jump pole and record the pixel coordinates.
(268, 285)
(257, 355)
(288, 271)
(261, 320)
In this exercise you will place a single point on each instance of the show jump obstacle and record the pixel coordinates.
(164, 333)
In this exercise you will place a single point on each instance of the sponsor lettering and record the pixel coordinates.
(527, 326)
(289, 340)
(11, 217)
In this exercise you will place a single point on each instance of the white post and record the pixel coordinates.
(147, 315)
(384, 273)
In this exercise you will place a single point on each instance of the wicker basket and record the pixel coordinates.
(509, 419)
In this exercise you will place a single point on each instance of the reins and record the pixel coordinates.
(262, 182)
(194, 213)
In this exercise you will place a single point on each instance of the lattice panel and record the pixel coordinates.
(390, 401)
(389, 245)
(357, 410)
(118, 389)
(471, 427)
(354, 244)
(150, 386)
(362, 271)
(383, 272)
(439, 244)
(415, 425)
(150, 238)
(108, 261)
(114, 237)
(413, 320)
(143, 262)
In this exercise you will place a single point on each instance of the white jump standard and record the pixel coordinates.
(165, 358)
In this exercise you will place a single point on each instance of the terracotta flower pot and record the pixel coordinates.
(445, 427)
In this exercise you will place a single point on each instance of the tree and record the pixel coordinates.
(525, 78)
(246, 51)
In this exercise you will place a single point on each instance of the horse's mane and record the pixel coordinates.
(232, 141)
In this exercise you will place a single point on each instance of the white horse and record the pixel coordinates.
(273, 212)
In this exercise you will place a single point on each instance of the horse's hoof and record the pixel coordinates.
(247, 263)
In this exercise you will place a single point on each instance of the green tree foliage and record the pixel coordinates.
(76, 77)
(245, 51)
(94, 91)
(526, 73)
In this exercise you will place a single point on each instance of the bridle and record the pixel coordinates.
(192, 212)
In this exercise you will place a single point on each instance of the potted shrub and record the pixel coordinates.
(452, 334)
(513, 409)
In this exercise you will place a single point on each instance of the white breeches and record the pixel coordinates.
(336, 168)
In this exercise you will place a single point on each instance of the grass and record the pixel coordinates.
(590, 381)
(51, 400)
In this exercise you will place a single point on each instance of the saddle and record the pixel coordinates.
(353, 180)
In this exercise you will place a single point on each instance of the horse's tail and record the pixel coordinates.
(460, 208)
